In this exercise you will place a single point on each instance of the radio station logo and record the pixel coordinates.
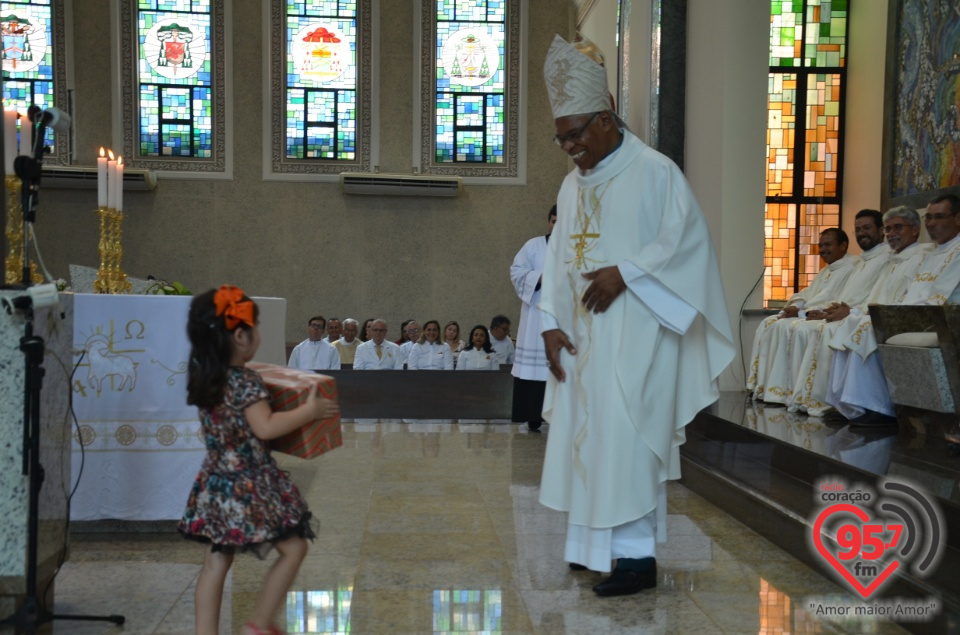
(865, 535)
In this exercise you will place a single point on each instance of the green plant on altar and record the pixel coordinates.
(162, 287)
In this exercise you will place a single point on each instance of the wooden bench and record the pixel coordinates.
(424, 394)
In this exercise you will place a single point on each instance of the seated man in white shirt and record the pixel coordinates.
(333, 330)
(500, 339)
(411, 329)
(347, 345)
(378, 353)
(314, 353)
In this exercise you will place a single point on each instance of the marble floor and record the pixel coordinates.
(434, 527)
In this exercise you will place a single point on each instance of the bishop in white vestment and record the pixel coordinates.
(636, 330)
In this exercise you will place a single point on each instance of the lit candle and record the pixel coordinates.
(25, 135)
(111, 168)
(102, 179)
(119, 196)
(9, 139)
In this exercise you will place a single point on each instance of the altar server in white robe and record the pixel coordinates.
(857, 382)
(530, 362)
(429, 353)
(314, 353)
(902, 227)
(788, 339)
(826, 285)
(636, 330)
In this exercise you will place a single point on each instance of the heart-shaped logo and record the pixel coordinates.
(864, 591)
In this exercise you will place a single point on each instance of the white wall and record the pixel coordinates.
(863, 150)
(727, 68)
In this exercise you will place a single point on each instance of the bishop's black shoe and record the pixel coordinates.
(574, 566)
(627, 581)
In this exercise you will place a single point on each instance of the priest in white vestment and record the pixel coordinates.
(790, 337)
(826, 285)
(530, 362)
(857, 383)
(636, 330)
(314, 353)
(902, 228)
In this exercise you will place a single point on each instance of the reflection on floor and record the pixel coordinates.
(434, 527)
(882, 447)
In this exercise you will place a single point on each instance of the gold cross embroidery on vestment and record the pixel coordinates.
(584, 242)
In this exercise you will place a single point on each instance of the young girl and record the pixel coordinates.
(241, 499)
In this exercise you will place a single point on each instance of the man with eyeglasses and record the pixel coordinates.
(857, 383)
(378, 353)
(635, 329)
(314, 353)
(813, 344)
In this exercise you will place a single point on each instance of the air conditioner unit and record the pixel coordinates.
(399, 184)
(73, 177)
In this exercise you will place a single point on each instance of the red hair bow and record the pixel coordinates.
(232, 306)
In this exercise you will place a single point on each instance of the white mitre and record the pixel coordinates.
(576, 84)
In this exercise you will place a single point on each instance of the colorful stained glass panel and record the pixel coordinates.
(174, 71)
(781, 128)
(786, 32)
(27, 37)
(321, 79)
(825, 43)
(470, 80)
(822, 139)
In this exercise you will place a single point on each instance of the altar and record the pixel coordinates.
(139, 446)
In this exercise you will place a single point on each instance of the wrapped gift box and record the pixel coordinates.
(288, 389)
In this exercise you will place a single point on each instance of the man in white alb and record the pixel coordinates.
(636, 330)
(530, 361)
(857, 382)
(334, 329)
(314, 353)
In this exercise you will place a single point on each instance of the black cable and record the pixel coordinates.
(743, 358)
(66, 530)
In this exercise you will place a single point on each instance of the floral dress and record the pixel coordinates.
(241, 498)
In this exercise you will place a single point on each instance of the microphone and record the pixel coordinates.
(56, 119)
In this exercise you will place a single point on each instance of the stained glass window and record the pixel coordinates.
(470, 121)
(804, 138)
(174, 116)
(470, 81)
(34, 65)
(321, 86)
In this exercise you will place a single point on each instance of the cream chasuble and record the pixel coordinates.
(789, 338)
(616, 423)
(823, 291)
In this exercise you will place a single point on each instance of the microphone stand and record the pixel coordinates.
(29, 617)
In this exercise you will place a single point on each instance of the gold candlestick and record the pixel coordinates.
(110, 278)
(15, 238)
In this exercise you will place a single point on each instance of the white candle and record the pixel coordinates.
(9, 139)
(25, 135)
(119, 195)
(102, 179)
(111, 179)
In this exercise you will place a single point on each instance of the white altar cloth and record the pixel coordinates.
(141, 443)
